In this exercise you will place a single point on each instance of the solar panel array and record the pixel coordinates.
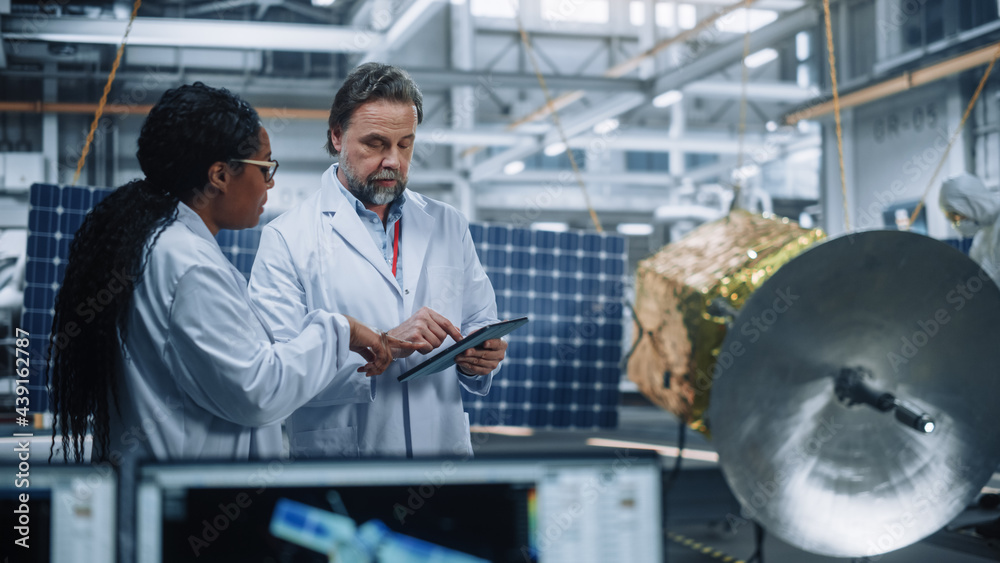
(561, 369)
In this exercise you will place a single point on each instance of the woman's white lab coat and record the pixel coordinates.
(319, 255)
(202, 378)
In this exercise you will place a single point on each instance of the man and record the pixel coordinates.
(365, 246)
(975, 212)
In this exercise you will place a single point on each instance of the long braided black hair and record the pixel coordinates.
(187, 131)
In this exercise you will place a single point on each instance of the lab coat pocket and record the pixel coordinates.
(325, 442)
(445, 286)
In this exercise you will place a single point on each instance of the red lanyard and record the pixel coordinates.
(395, 245)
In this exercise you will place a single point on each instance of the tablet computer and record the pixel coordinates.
(446, 358)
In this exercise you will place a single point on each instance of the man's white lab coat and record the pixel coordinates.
(319, 255)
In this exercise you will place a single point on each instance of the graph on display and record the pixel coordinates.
(562, 369)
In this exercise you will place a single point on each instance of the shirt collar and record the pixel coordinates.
(395, 210)
(193, 221)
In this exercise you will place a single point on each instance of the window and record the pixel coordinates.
(583, 11)
(542, 161)
(740, 20)
(494, 9)
(645, 161)
(973, 13)
(864, 33)
(926, 21)
(637, 12)
(687, 16)
(694, 160)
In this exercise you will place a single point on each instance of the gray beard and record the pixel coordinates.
(370, 193)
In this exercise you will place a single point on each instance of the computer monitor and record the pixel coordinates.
(583, 508)
(58, 513)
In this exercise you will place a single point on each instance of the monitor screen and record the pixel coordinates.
(600, 508)
(58, 512)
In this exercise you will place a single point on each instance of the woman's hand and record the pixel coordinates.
(377, 347)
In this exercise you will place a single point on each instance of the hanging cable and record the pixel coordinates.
(758, 540)
(555, 119)
(954, 136)
(674, 473)
(836, 111)
(104, 96)
(738, 185)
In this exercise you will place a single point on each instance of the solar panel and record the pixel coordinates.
(55, 214)
(561, 369)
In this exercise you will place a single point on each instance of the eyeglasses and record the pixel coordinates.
(268, 167)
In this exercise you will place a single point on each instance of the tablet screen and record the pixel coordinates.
(446, 358)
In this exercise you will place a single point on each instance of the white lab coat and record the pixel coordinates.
(203, 378)
(319, 255)
(201, 370)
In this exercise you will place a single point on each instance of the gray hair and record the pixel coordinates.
(368, 82)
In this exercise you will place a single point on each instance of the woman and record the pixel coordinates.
(179, 364)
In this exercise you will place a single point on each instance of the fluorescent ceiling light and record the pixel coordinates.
(494, 9)
(503, 430)
(606, 126)
(771, 126)
(740, 20)
(515, 167)
(637, 12)
(761, 58)
(555, 149)
(668, 98)
(687, 16)
(802, 47)
(323, 3)
(550, 226)
(635, 229)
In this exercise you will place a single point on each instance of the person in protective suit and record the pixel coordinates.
(974, 211)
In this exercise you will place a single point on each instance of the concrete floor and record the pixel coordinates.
(700, 501)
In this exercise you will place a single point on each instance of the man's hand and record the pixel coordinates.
(426, 328)
(482, 359)
(377, 347)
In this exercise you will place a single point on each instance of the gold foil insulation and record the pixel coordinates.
(730, 258)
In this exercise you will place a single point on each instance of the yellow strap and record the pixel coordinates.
(104, 96)
(836, 112)
(954, 136)
(555, 118)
